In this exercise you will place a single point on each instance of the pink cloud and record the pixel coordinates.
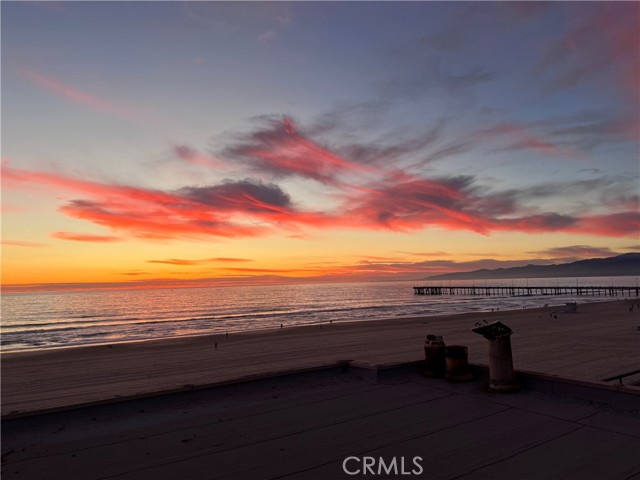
(521, 137)
(230, 209)
(13, 177)
(84, 237)
(619, 224)
(281, 148)
(267, 36)
(601, 39)
(537, 223)
(191, 155)
(406, 203)
(248, 208)
(21, 243)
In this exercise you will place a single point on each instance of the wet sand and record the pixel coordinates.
(599, 341)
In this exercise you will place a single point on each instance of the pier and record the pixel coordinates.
(528, 291)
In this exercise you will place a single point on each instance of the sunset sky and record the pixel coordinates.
(151, 142)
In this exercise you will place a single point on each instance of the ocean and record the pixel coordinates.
(37, 320)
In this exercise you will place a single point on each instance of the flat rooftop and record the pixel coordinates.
(304, 426)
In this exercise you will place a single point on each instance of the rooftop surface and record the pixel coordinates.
(305, 426)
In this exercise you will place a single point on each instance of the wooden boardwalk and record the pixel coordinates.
(529, 291)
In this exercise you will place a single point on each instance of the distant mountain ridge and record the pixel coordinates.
(627, 264)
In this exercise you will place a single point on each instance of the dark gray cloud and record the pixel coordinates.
(247, 195)
(543, 222)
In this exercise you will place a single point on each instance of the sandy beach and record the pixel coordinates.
(599, 341)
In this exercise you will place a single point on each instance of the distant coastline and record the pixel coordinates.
(627, 264)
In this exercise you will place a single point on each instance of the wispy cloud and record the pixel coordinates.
(450, 149)
(603, 38)
(619, 224)
(576, 251)
(79, 97)
(518, 136)
(194, 157)
(268, 36)
(427, 254)
(384, 152)
(134, 274)
(258, 270)
(22, 243)
(422, 75)
(385, 269)
(284, 19)
(404, 203)
(85, 237)
(349, 116)
(602, 130)
(280, 148)
(232, 260)
(203, 261)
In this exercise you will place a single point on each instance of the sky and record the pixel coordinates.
(167, 143)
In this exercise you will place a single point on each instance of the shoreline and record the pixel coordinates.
(267, 330)
(577, 346)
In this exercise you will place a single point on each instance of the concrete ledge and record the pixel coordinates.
(618, 396)
(337, 367)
